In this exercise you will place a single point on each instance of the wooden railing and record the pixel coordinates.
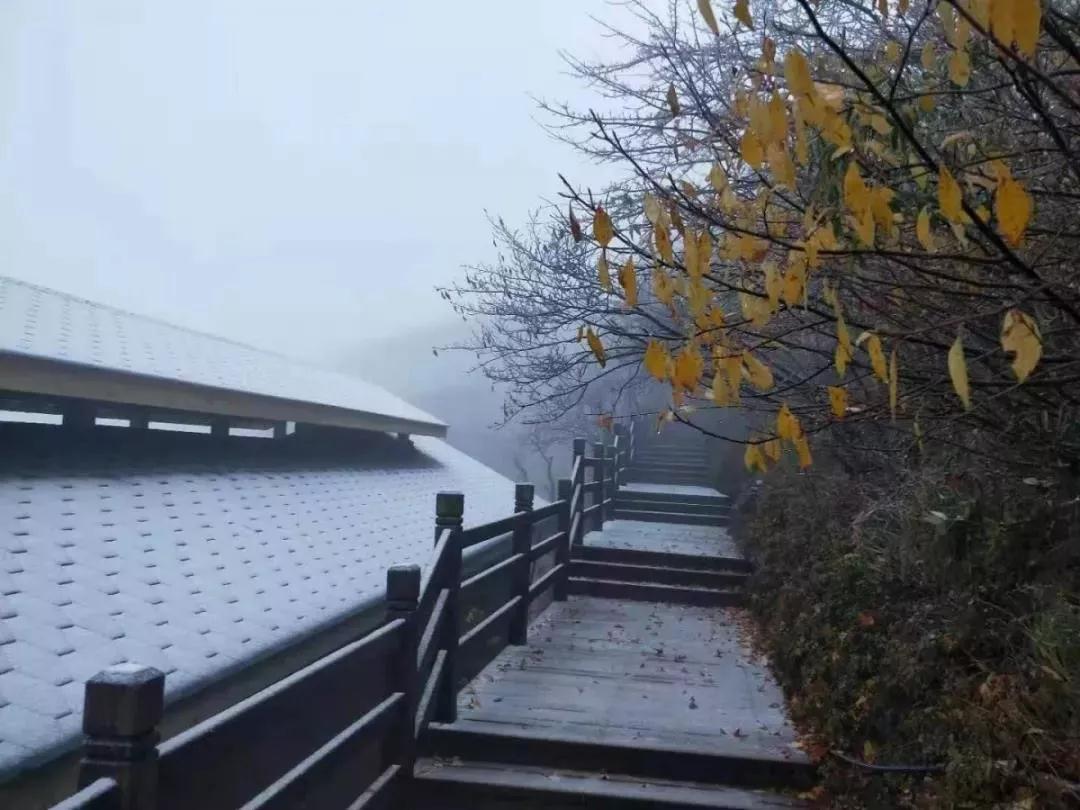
(343, 731)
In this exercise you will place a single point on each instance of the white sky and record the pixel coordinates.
(297, 174)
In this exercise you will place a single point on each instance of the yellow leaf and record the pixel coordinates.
(653, 212)
(797, 73)
(596, 346)
(717, 179)
(663, 243)
(759, 374)
(1027, 16)
(772, 449)
(928, 57)
(856, 194)
(959, 68)
(894, 383)
(780, 164)
(705, 7)
(927, 104)
(843, 353)
(958, 372)
(602, 270)
(923, 232)
(754, 459)
(877, 357)
(802, 449)
(656, 360)
(704, 252)
(838, 401)
(1012, 204)
(1020, 335)
(883, 7)
(742, 13)
(689, 367)
(750, 149)
(1003, 20)
(902, 6)
(663, 286)
(601, 224)
(892, 51)
(628, 280)
(787, 424)
(673, 101)
(950, 198)
(720, 394)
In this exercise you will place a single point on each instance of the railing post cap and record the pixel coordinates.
(564, 486)
(125, 700)
(450, 504)
(579, 446)
(524, 495)
(403, 583)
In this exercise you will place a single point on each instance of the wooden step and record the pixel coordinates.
(669, 468)
(628, 572)
(630, 500)
(733, 764)
(655, 592)
(674, 497)
(653, 457)
(683, 518)
(660, 559)
(455, 784)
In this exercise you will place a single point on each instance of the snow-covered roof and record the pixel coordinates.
(59, 345)
(195, 554)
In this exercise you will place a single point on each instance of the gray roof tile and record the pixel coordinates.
(191, 555)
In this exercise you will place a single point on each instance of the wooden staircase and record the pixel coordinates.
(615, 573)
(524, 756)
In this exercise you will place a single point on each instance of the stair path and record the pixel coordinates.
(639, 691)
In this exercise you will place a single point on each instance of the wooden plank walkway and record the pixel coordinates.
(635, 673)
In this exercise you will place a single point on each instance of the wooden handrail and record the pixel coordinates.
(546, 581)
(486, 531)
(546, 545)
(426, 648)
(289, 791)
(496, 568)
(501, 613)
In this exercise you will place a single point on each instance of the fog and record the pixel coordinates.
(298, 176)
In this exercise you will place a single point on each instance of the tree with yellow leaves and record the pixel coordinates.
(858, 216)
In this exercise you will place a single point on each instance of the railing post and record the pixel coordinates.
(402, 595)
(601, 490)
(121, 711)
(618, 447)
(449, 512)
(522, 544)
(578, 489)
(562, 551)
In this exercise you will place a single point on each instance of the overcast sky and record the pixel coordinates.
(297, 174)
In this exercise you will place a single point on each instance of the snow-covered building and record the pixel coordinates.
(221, 513)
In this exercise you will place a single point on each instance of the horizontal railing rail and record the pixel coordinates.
(343, 730)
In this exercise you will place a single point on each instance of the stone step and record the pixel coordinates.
(665, 575)
(646, 476)
(682, 518)
(655, 592)
(735, 763)
(455, 784)
(660, 559)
